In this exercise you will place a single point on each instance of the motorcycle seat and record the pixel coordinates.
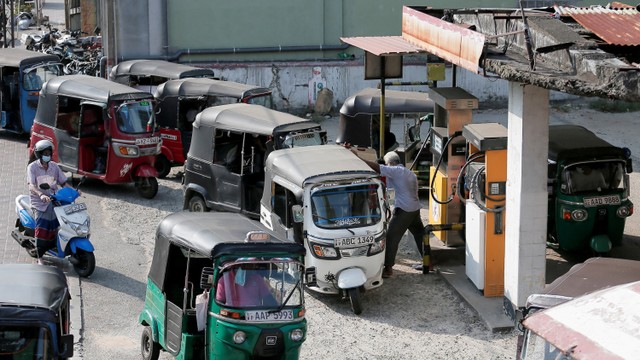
(25, 203)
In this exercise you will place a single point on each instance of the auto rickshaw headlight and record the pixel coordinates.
(579, 215)
(297, 335)
(624, 211)
(126, 151)
(324, 251)
(239, 337)
(377, 247)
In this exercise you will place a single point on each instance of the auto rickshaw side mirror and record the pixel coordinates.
(66, 346)
(206, 278)
(298, 213)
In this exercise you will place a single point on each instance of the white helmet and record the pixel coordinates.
(41, 146)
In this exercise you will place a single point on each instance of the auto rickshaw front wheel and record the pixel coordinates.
(147, 187)
(354, 298)
(149, 348)
(163, 166)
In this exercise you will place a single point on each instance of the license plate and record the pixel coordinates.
(265, 316)
(70, 209)
(147, 141)
(353, 241)
(602, 200)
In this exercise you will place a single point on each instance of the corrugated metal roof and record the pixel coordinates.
(383, 45)
(614, 26)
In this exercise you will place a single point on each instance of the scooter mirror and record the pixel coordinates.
(44, 186)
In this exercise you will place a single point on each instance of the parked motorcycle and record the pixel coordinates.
(73, 236)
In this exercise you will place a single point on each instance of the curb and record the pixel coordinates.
(75, 310)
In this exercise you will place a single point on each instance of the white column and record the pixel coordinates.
(526, 205)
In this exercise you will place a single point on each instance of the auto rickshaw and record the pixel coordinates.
(359, 125)
(224, 170)
(597, 324)
(588, 185)
(146, 75)
(328, 199)
(583, 278)
(22, 74)
(180, 100)
(100, 129)
(221, 286)
(34, 313)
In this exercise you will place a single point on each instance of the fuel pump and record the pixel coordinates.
(453, 110)
(485, 176)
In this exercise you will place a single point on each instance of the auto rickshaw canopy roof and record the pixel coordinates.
(162, 68)
(25, 288)
(300, 165)
(91, 88)
(575, 142)
(205, 86)
(19, 57)
(250, 118)
(599, 325)
(367, 101)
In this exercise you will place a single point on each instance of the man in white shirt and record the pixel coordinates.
(406, 213)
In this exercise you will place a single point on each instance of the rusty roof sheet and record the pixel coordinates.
(383, 45)
(615, 26)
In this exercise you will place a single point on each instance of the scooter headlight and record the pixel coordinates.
(377, 247)
(297, 335)
(323, 251)
(81, 230)
(239, 337)
(624, 211)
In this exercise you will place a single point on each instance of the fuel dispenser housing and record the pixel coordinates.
(484, 209)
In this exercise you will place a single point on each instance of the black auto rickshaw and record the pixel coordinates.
(224, 170)
(180, 100)
(34, 313)
(146, 75)
(22, 74)
(405, 112)
(588, 185)
(221, 286)
(584, 278)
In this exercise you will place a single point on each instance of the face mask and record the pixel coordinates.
(46, 158)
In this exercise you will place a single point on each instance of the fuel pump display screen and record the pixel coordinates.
(438, 140)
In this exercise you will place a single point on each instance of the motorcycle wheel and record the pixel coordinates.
(86, 263)
(354, 297)
(150, 350)
(163, 166)
(197, 204)
(147, 187)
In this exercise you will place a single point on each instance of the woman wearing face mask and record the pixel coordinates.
(41, 171)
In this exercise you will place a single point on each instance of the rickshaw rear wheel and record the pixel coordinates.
(150, 349)
(163, 166)
(147, 187)
(354, 298)
(197, 204)
(86, 263)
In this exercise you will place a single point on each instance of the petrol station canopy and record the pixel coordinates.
(585, 51)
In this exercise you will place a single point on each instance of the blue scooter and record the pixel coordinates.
(73, 235)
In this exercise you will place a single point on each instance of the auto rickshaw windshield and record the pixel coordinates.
(346, 206)
(136, 117)
(260, 284)
(592, 177)
(264, 100)
(34, 77)
(304, 139)
(27, 342)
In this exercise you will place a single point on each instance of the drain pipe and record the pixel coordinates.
(178, 54)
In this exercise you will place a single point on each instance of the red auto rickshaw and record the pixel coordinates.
(101, 129)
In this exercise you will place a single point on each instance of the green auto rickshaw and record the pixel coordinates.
(221, 286)
(588, 185)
